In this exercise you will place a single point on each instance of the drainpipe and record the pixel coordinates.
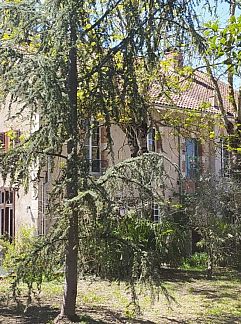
(179, 166)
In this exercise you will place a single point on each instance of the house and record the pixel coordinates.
(19, 208)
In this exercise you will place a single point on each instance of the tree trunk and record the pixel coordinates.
(137, 139)
(71, 250)
(234, 129)
(70, 289)
(210, 262)
(234, 142)
(210, 268)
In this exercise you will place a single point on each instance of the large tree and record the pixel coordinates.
(76, 61)
(219, 46)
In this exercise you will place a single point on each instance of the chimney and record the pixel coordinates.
(175, 57)
(213, 100)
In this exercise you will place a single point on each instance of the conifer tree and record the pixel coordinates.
(72, 61)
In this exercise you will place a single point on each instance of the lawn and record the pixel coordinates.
(195, 300)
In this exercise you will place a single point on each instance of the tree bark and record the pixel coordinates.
(71, 250)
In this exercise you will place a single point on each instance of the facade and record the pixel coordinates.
(19, 208)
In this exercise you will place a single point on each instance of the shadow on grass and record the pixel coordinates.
(34, 314)
(104, 315)
(46, 314)
(220, 319)
(216, 293)
(181, 275)
(170, 320)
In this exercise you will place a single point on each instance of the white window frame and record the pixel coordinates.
(156, 213)
(91, 147)
(7, 206)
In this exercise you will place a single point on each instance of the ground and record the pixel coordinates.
(195, 300)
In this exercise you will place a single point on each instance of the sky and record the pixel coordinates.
(222, 11)
(222, 14)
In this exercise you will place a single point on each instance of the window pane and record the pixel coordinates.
(6, 219)
(191, 158)
(95, 137)
(2, 197)
(7, 197)
(151, 140)
(11, 197)
(95, 166)
(2, 221)
(95, 153)
(11, 223)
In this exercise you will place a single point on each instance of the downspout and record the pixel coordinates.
(179, 166)
(221, 157)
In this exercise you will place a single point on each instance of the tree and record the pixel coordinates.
(214, 213)
(219, 47)
(72, 62)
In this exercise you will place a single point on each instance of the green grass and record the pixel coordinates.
(196, 300)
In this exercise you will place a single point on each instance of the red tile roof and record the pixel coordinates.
(197, 95)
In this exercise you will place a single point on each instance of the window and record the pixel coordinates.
(92, 145)
(151, 143)
(192, 158)
(3, 141)
(9, 139)
(14, 139)
(7, 225)
(156, 213)
(42, 205)
(43, 197)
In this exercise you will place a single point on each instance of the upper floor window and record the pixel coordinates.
(9, 139)
(192, 159)
(3, 141)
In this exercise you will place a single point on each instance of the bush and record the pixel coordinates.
(13, 252)
(132, 246)
(199, 261)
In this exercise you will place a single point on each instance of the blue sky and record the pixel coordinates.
(222, 11)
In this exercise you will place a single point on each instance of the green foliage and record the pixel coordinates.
(224, 42)
(30, 260)
(71, 62)
(133, 248)
(198, 260)
(111, 246)
(216, 217)
(13, 252)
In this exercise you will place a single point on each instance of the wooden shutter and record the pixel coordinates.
(2, 141)
(103, 134)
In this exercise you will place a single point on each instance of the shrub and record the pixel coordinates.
(13, 252)
(199, 260)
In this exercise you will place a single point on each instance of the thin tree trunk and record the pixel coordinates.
(235, 132)
(137, 139)
(210, 266)
(71, 252)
